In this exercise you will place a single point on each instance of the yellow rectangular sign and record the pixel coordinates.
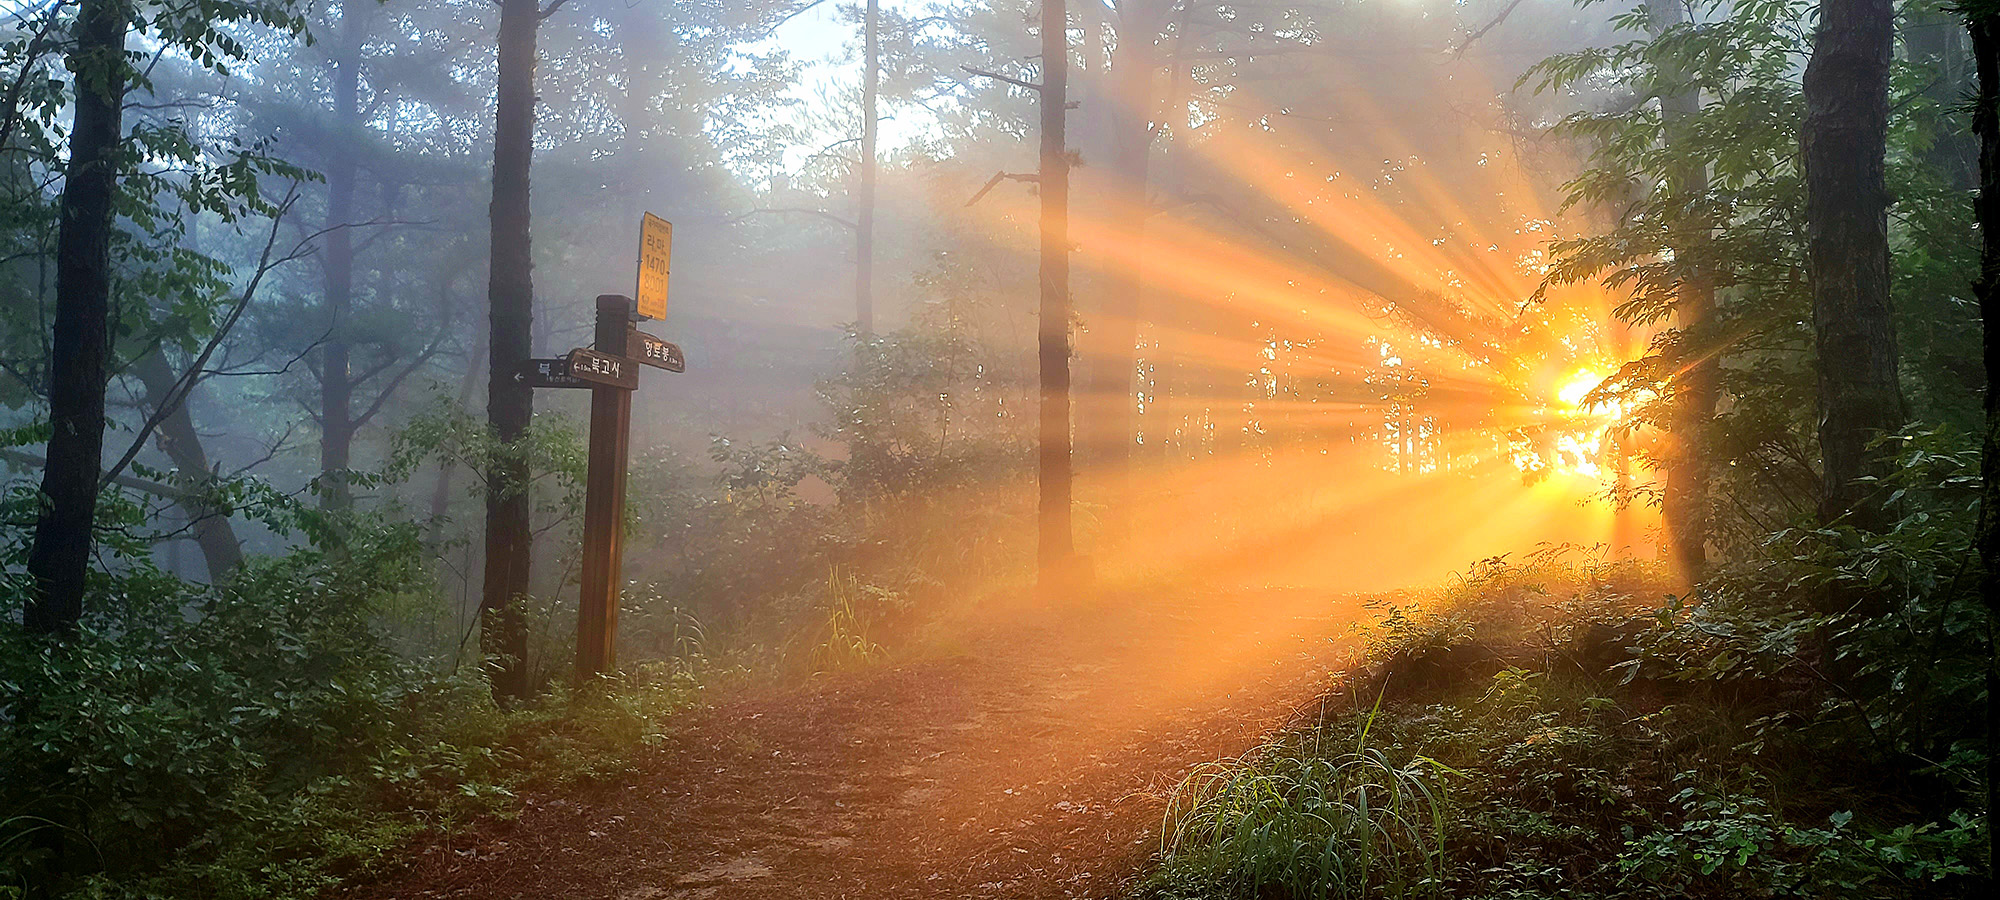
(656, 246)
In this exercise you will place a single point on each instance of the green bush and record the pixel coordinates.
(260, 738)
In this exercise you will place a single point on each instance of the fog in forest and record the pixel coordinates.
(1245, 315)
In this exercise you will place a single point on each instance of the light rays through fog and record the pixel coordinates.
(1339, 376)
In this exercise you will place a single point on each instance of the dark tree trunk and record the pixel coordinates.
(336, 383)
(178, 439)
(59, 558)
(1684, 502)
(1056, 548)
(864, 201)
(510, 403)
(1984, 24)
(1847, 251)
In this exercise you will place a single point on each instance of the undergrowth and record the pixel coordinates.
(263, 738)
(1804, 723)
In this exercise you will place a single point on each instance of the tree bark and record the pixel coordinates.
(336, 384)
(509, 402)
(178, 439)
(864, 214)
(1684, 501)
(59, 558)
(1056, 548)
(1847, 251)
(1983, 22)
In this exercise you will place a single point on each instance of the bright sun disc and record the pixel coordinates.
(1578, 387)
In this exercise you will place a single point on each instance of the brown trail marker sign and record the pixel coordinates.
(603, 369)
(549, 373)
(652, 351)
(609, 370)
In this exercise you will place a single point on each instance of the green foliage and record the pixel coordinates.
(1747, 739)
(1295, 820)
(1715, 197)
(262, 737)
(173, 175)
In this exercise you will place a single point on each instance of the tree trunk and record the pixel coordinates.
(509, 402)
(336, 384)
(59, 558)
(178, 439)
(1056, 549)
(864, 215)
(1847, 251)
(1984, 24)
(1684, 501)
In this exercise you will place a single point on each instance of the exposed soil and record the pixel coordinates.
(1031, 760)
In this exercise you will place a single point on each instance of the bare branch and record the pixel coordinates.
(996, 76)
(178, 393)
(1502, 17)
(396, 381)
(131, 481)
(844, 223)
(996, 179)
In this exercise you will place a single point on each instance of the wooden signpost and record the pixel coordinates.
(609, 369)
(652, 351)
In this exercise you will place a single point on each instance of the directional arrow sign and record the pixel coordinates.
(603, 369)
(549, 373)
(645, 348)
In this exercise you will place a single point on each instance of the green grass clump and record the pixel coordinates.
(1295, 820)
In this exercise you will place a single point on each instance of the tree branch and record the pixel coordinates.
(996, 179)
(996, 76)
(178, 393)
(1502, 17)
(793, 209)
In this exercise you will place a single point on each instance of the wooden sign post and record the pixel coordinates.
(604, 485)
(609, 369)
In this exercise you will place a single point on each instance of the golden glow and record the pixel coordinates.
(1348, 370)
(1578, 387)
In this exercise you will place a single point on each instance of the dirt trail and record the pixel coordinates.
(1030, 764)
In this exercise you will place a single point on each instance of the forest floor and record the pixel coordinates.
(1026, 755)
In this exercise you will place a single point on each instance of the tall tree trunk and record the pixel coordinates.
(178, 439)
(59, 558)
(864, 215)
(1983, 21)
(509, 402)
(336, 383)
(1056, 548)
(1684, 501)
(1847, 251)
